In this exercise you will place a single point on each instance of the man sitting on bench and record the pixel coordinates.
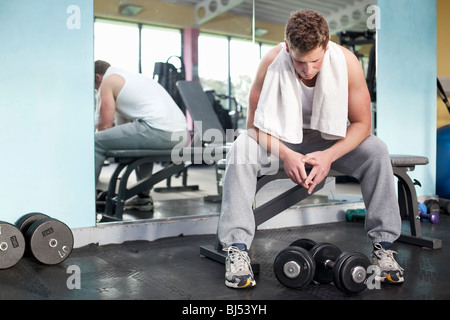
(309, 104)
(150, 117)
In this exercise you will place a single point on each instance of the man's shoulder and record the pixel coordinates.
(114, 78)
(349, 56)
(351, 60)
(272, 54)
(114, 82)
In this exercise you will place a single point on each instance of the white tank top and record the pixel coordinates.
(307, 103)
(143, 98)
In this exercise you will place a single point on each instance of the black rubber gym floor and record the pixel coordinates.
(172, 269)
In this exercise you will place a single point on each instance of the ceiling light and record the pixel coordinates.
(259, 32)
(129, 9)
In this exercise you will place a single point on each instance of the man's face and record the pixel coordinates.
(307, 64)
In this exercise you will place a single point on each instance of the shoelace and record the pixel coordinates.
(387, 257)
(243, 262)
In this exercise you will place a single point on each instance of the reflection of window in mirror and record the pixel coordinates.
(158, 44)
(110, 35)
(214, 71)
(213, 62)
(244, 60)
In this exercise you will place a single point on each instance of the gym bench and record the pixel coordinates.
(128, 161)
(407, 200)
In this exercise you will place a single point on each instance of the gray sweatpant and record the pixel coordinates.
(135, 135)
(369, 163)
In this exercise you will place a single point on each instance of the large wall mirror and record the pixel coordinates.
(233, 35)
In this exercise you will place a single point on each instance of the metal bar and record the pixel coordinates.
(421, 242)
(110, 197)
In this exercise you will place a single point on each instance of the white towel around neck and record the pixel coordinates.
(279, 110)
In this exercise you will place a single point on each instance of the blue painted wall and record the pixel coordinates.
(46, 108)
(406, 83)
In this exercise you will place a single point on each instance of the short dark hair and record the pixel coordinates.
(101, 67)
(306, 30)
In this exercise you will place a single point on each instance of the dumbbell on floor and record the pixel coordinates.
(355, 214)
(304, 261)
(48, 240)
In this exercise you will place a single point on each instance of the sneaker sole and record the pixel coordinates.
(249, 284)
(388, 279)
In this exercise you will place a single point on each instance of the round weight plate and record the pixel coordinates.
(12, 245)
(353, 273)
(337, 267)
(25, 221)
(322, 253)
(294, 267)
(50, 241)
(304, 243)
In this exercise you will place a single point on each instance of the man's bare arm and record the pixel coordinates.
(109, 89)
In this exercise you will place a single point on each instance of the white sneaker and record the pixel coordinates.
(390, 270)
(141, 204)
(238, 269)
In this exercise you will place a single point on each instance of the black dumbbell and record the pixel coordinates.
(293, 266)
(347, 270)
(48, 240)
(326, 255)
